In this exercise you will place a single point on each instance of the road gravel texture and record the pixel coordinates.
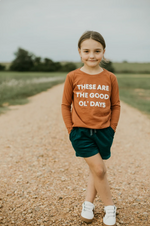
(42, 181)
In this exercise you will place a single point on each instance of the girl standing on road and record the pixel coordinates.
(91, 122)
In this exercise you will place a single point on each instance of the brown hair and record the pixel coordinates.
(95, 36)
(92, 35)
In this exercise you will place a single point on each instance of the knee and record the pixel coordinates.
(99, 171)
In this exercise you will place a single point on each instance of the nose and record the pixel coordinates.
(91, 55)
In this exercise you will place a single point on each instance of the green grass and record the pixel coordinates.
(7, 75)
(135, 90)
(15, 87)
(131, 67)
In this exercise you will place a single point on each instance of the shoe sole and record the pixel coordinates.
(86, 220)
(109, 225)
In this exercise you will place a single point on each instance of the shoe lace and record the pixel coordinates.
(110, 212)
(87, 208)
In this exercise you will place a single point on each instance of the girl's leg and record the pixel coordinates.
(91, 191)
(98, 171)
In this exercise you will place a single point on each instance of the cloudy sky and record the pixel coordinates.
(51, 28)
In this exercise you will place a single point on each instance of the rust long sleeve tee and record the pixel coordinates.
(90, 101)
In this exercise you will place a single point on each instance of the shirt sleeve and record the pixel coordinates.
(115, 104)
(66, 102)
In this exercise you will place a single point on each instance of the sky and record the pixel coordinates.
(52, 28)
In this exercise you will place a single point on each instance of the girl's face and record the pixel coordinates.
(91, 52)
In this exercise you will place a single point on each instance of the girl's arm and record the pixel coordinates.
(115, 104)
(66, 103)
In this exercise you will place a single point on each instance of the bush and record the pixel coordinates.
(26, 61)
(107, 65)
(23, 61)
(2, 67)
(68, 67)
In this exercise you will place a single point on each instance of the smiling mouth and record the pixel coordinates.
(92, 60)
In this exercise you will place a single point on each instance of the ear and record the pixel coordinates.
(104, 51)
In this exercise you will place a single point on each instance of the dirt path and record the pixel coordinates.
(43, 183)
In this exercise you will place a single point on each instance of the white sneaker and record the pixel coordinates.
(87, 213)
(110, 217)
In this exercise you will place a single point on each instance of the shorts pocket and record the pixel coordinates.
(70, 134)
(111, 131)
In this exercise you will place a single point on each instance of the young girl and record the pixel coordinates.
(91, 122)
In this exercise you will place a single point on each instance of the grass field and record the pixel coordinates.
(131, 67)
(15, 87)
(135, 90)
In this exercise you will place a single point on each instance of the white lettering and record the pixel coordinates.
(86, 86)
(85, 95)
(90, 86)
(81, 94)
(107, 88)
(101, 95)
(94, 86)
(99, 87)
(91, 95)
(78, 87)
(97, 104)
(97, 95)
(82, 103)
(92, 103)
(104, 105)
(106, 96)
(103, 87)
(78, 94)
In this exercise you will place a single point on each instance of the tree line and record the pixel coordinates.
(26, 61)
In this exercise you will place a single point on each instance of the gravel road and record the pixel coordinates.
(42, 181)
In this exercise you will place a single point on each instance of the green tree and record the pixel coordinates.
(107, 65)
(26, 61)
(38, 65)
(23, 61)
(68, 67)
(37, 60)
(50, 65)
(2, 67)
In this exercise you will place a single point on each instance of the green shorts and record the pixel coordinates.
(88, 142)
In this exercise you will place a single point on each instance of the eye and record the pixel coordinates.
(86, 51)
(98, 51)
